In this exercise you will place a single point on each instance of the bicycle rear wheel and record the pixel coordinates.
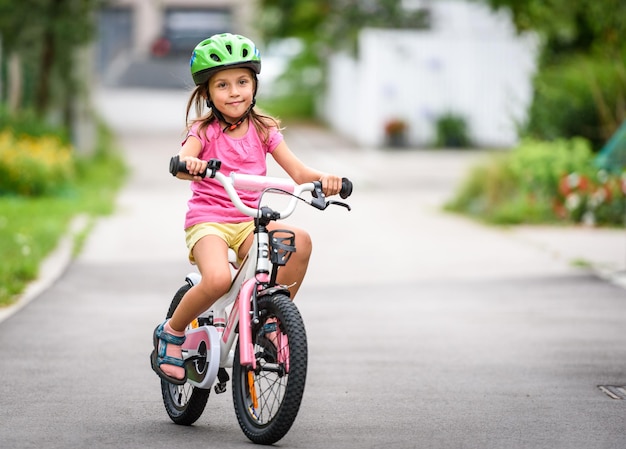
(184, 403)
(267, 400)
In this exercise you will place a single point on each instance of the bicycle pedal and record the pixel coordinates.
(223, 378)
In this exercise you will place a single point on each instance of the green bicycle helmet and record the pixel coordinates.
(222, 51)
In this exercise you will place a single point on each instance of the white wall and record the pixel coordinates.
(471, 63)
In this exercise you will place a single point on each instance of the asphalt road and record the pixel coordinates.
(425, 330)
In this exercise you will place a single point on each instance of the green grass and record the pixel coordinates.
(31, 227)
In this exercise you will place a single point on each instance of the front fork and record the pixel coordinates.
(246, 348)
(248, 314)
(248, 310)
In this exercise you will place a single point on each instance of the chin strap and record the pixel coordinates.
(230, 126)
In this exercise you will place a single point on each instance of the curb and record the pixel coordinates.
(51, 268)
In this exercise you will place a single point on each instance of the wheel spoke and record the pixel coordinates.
(266, 390)
(272, 393)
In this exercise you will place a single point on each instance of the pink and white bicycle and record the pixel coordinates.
(269, 362)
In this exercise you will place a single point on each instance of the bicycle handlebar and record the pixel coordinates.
(260, 183)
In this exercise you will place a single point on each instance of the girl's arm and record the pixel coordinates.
(301, 173)
(189, 153)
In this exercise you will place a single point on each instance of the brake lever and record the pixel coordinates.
(338, 203)
(319, 200)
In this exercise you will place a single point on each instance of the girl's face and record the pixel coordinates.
(232, 91)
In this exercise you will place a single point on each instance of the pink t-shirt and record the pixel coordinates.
(209, 201)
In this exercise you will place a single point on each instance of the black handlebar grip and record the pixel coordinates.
(178, 166)
(175, 166)
(346, 188)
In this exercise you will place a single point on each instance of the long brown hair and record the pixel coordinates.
(262, 122)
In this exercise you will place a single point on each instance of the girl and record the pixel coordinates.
(224, 68)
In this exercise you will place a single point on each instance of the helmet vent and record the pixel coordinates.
(245, 53)
(216, 58)
(230, 49)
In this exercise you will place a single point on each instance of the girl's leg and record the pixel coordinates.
(293, 273)
(211, 255)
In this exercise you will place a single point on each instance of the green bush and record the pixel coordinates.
(534, 183)
(33, 166)
(452, 132)
(27, 123)
(598, 198)
(578, 97)
(538, 165)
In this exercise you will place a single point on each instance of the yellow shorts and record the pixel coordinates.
(234, 234)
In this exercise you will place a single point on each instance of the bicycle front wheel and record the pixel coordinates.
(268, 398)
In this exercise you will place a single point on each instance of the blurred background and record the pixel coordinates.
(539, 83)
(495, 69)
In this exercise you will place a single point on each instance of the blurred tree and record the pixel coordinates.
(334, 23)
(583, 26)
(43, 36)
(580, 88)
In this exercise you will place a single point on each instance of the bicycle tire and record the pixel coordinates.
(278, 394)
(184, 403)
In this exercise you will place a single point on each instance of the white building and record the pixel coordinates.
(471, 63)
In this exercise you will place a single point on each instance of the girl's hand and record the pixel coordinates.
(195, 166)
(331, 184)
